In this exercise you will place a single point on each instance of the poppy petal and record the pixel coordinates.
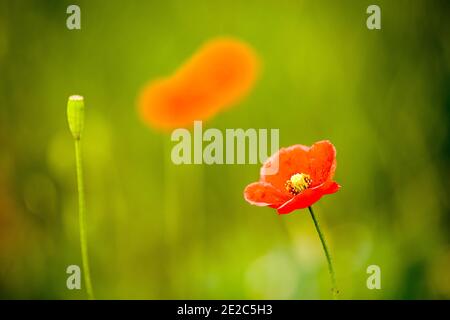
(322, 161)
(264, 194)
(300, 201)
(308, 197)
(289, 161)
(333, 187)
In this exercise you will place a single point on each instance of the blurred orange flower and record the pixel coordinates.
(220, 74)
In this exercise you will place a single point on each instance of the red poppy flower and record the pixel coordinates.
(304, 175)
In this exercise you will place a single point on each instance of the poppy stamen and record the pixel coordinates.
(298, 183)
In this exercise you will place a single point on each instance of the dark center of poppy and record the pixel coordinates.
(298, 183)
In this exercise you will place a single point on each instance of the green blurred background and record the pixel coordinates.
(157, 230)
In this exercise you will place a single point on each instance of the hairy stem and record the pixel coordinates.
(327, 254)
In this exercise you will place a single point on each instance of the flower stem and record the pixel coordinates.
(82, 220)
(327, 253)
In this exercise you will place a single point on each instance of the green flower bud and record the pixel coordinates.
(75, 115)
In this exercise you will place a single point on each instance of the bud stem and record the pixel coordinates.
(82, 219)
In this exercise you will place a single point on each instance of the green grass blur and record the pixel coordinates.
(157, 230)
